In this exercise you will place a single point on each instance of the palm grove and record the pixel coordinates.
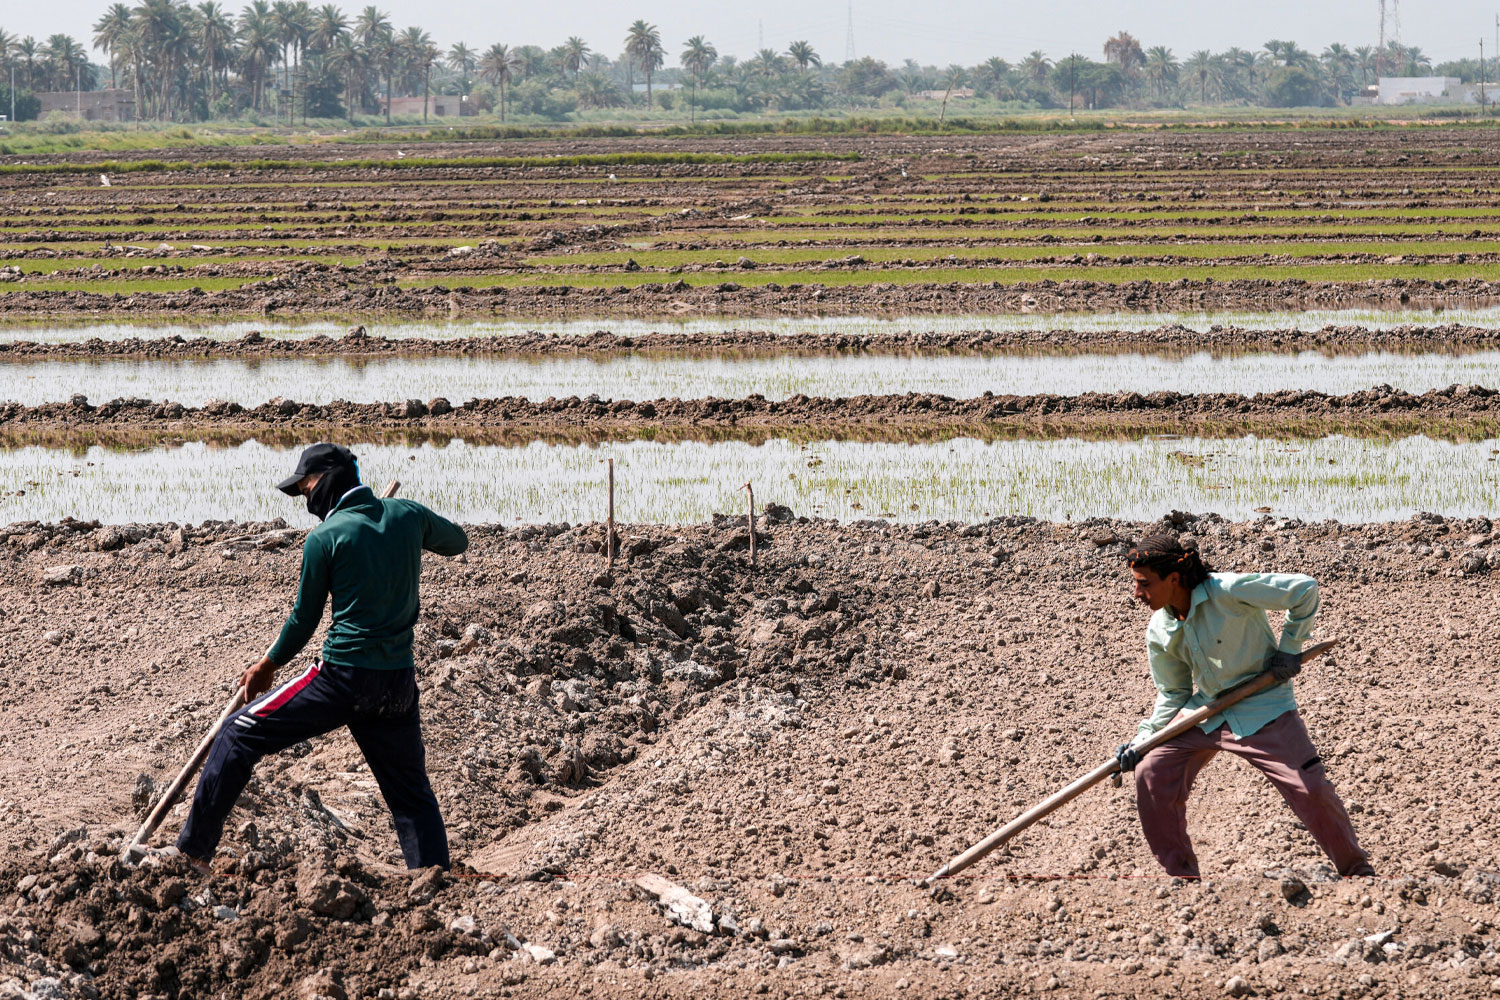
(288, 60)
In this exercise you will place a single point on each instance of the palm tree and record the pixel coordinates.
(111, 35)
(163, 39)
(1364, 61)
(991, 76)
(697, 56)
(462, 61)
(530, 61)
(26, 54)
(803, 55)
(1200, 64)
(258, 49)
(417, 54)
(1161, 69)
(328, 26)
(495, 68)
(766, 64)
(349, 59)
(1339, 63)
(8, 50)
(575, 53)
(1036, 66)
(643, 46)
(214, 33)
(67, 63)
(596, 91)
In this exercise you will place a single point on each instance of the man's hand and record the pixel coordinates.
(257, 680)
(1128, 756)
(1286, 665)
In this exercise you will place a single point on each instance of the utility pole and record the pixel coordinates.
(1481, 76)
(1072, 76)
(78, 88)
(13, 90)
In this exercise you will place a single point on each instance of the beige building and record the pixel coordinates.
(438, 106)
(90, 105)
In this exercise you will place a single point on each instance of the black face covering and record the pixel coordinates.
(334, 484)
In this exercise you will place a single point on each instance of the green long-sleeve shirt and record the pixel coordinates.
(367, 556)
(1224, 640)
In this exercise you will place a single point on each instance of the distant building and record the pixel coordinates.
(438, 106)
(91, 105)
(1425, 90)
(958, 94)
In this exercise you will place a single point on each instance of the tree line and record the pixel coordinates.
(290, 60)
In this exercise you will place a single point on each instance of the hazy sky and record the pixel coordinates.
(931, 31)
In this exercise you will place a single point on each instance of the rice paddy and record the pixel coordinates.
(48, 331)
(1169, 241)
(959, 480)
(775, 376)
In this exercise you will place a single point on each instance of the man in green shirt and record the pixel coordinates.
(1209, 633)
(365, 559)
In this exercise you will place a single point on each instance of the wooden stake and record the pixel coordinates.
(1059, 799)
(609, 531)
(174, 791)
(750, 517)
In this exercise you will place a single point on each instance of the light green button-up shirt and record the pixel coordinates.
(1225, 640)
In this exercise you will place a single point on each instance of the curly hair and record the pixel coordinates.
(1164, 554)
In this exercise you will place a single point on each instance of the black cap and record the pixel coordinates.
(320, 457)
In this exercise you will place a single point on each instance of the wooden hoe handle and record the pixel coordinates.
(1057, 800)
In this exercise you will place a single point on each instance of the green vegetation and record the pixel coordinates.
(129, 286)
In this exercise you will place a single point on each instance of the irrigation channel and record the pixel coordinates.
(639, 376)
(1102, 322)
(1353, 480)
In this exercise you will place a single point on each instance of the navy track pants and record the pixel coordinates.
(380, 709)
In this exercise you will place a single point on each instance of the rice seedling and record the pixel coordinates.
(959, 480)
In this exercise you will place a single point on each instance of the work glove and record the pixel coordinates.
(1286, 665)
(1128, 756)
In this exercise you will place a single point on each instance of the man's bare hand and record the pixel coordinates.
(257, 680)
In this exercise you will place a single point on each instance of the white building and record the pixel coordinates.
(1425, 90)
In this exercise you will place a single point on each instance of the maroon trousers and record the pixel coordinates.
(1283, 752)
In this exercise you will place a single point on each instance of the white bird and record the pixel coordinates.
(611, 176)
(400, 154)
(903, 171)
(104, 179)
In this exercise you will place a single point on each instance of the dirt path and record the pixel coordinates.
(787, 742)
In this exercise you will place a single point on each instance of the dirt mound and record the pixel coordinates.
(1458, 410)
(786, 743)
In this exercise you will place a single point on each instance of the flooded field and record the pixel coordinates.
(959, 480)
(657, 376)
(1101, 322)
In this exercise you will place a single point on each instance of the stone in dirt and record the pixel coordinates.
(681, 906)
(60, 576)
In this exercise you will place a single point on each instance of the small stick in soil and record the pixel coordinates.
(609, 531)
(750, 518)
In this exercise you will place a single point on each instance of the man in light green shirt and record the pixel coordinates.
(1209, 633)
